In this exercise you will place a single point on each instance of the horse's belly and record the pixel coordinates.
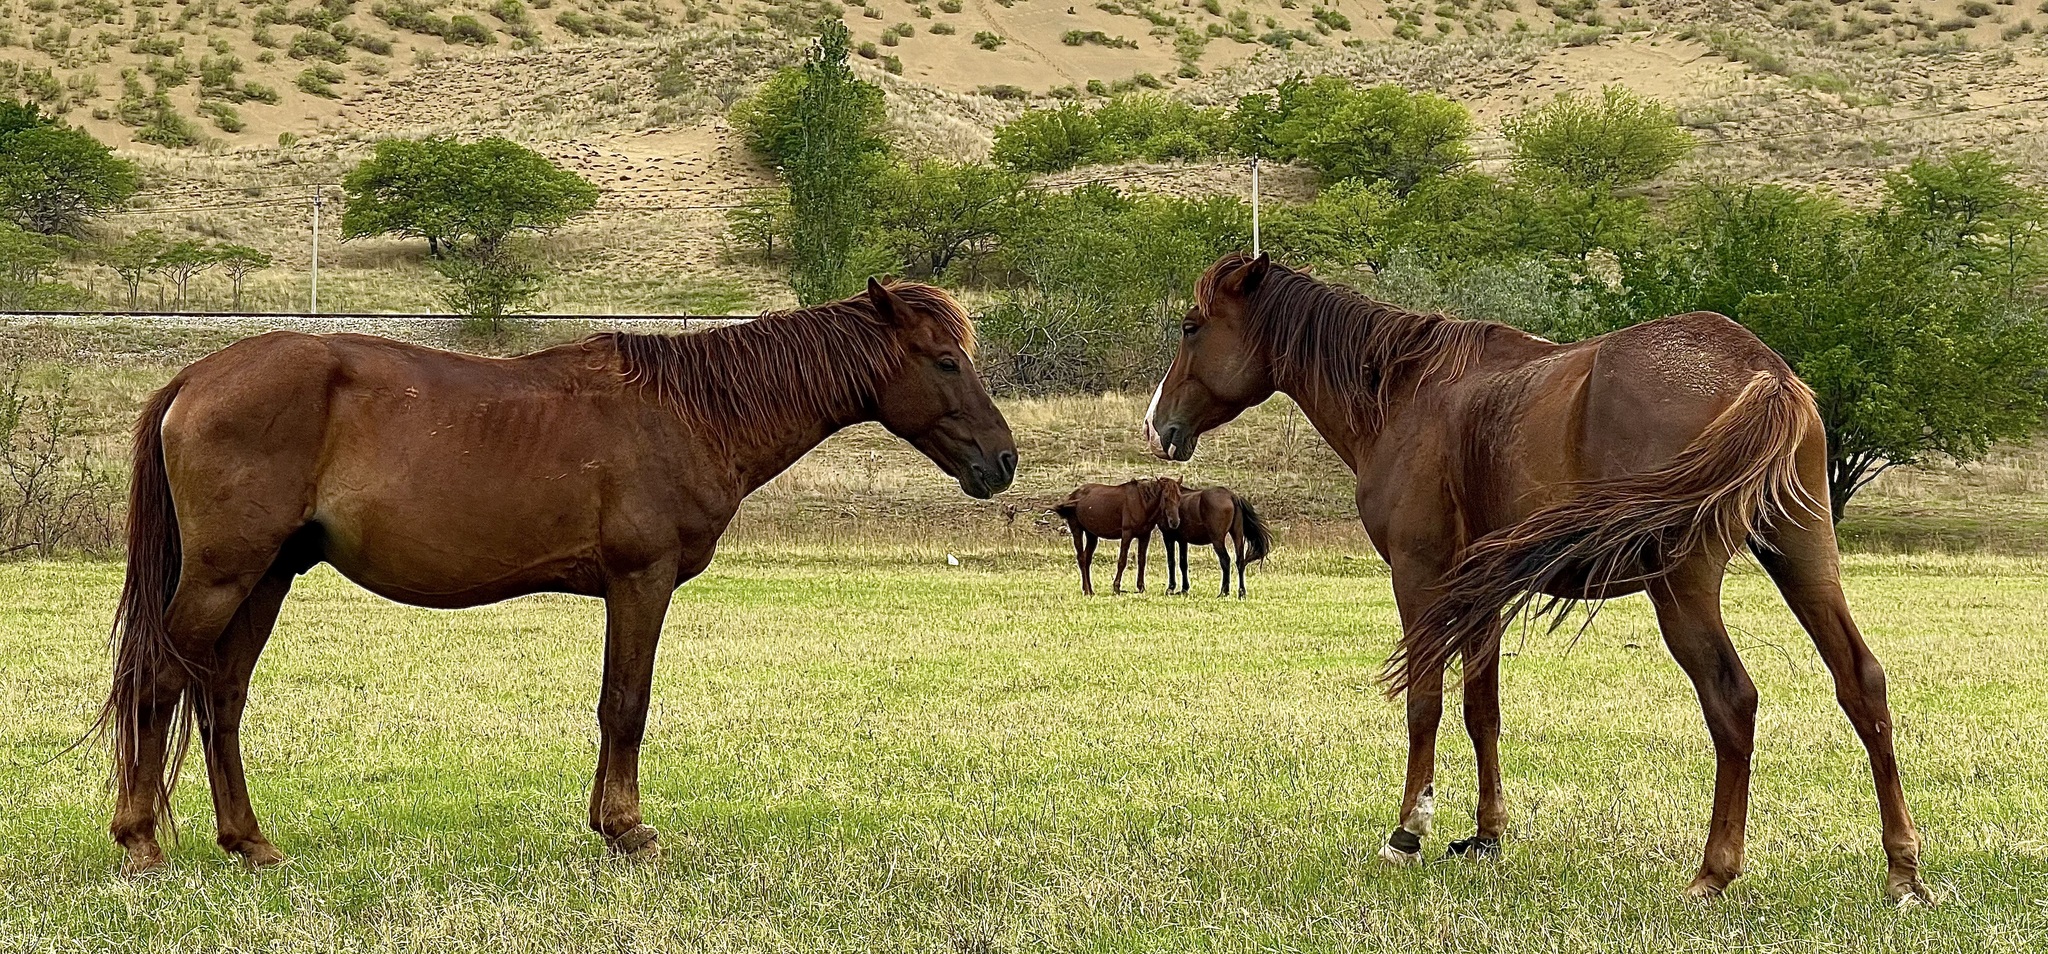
(459, 558)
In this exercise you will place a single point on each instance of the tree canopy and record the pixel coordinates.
(53, 177)
(451, 192)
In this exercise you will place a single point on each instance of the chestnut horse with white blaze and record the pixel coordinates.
(1499, 472)
(607, 468)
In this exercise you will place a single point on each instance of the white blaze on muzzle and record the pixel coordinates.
(1152, 435)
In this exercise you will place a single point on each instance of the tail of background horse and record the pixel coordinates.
(1258, 541)
(1738, 474)
(141, 640)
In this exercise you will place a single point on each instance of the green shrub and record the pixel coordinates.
(987, 40)
(466, 29)
(317, 45)
(319, 80)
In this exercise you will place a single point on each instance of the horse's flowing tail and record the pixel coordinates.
(1258, 540)
(1737, 475)
(141, 640)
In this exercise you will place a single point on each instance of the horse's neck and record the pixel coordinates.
(1336, 418)
(771, 439)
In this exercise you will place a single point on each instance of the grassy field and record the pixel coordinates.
(871, 750)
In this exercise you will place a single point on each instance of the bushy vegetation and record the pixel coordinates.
(1919, 322)
(54, 177)
(468, 200)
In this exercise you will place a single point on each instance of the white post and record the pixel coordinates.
(1255, 206)
(318, 201)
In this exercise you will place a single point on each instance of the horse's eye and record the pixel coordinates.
(949, 365)
(1188, 329)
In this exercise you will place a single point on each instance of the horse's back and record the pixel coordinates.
(1654, 387)
(393, 451)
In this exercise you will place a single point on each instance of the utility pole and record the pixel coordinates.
(318, 201)
(1255, 205)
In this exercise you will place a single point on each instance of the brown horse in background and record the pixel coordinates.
(1499, 472)
(604, 468)
(1127, 511)
(1216, 516)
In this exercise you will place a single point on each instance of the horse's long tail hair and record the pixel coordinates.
(141, 639)
(1258, 540)
(1736, 476)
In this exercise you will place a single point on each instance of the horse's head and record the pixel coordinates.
(1169, 502)
(935, 400)
(1219, 369)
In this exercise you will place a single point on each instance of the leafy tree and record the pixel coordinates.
(135, 259)
(1969, 209)
(759, 221)
(55, 177)
(930, 211)
(26, 262)
(1047, 140)
(1910, 356)
(489, 287)
(830, 168)
(1349, 226)
(1385, 133)
(1585, 144)
(239, 262)
(450, 192)
(182, 260)
(770, 121)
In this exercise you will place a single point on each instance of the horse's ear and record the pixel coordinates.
(1255, 273)
(889, 309)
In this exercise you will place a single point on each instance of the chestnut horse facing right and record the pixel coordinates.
(607, 468)
(1499, 472)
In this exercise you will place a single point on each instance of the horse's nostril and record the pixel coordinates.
(1007, 460)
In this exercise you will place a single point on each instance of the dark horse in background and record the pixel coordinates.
(1216, 516)
(1499, 472)
(605, 468)
(1127, 511)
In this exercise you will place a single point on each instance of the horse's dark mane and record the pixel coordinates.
(1330, 341)
(808, 362)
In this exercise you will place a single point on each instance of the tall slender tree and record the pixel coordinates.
(830, 171)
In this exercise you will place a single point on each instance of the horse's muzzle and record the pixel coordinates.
(1172, 442)
(985, 480)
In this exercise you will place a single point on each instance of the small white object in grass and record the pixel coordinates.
(952, 560)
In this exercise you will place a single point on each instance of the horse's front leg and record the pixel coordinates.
(1144, 544)
(634, 609)
(1123, 556)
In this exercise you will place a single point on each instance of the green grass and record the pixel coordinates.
(875, 751)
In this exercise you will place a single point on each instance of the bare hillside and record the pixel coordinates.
(275, 99)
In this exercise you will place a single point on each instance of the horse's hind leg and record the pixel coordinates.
(1688, 602)
(1237, 540)
(1802, 560)
(1223, 560)
(1081, 554)
(207, 599)
(220, 720)
(1482, 723)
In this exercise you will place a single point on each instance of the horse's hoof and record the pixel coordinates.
(1403, 849)
(141, 861)
(1475, 847)
(642, 841)
(1400, 859)
(261, 854)
(1706, 888)
(1909, 892)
